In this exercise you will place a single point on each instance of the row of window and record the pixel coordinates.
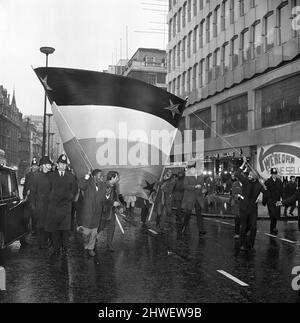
(276, 104)
(219, 19)
(251, 43)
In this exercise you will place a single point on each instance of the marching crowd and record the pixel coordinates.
(54, 195)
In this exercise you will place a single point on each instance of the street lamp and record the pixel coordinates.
(49, 115)
(46, 51)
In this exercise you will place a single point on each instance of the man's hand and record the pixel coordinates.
(198, 186)
(279, 203)
(87, 177)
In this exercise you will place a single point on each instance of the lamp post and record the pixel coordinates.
(49, 115)
(46, 51)
(51, 140)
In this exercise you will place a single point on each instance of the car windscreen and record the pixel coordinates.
(8, 185)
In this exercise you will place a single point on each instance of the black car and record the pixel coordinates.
(14, 224)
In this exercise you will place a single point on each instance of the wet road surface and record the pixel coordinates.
(147, 268)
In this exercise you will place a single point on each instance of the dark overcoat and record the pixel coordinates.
(192, 194)
(62, 194)
(40, 190)
(275, 193)
(91, 207)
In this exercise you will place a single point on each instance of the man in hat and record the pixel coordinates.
(275, 191)
(62, 194)
(193, 197)
(27, 192)
(40, 199)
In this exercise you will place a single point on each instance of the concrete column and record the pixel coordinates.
(213, 120)
(251, 110)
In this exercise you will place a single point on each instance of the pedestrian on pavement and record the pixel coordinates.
(193, 197)
(251, 189)
(178, 192)
(236, 193)
(290, 190)
(62, 194)
(40, 190)
(164, 201)
(27, 194)
(290, 200)
(94, 188)
(275, 192)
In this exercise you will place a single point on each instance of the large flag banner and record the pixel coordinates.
(113, 122)
(284, 156)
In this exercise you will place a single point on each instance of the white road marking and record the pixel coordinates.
(270, 235)
(232, 278)
(152, 231)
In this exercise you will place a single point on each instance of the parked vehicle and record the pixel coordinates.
(14, 225)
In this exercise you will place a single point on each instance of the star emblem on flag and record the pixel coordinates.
(149, 187)
(173, 108)
(44, 81)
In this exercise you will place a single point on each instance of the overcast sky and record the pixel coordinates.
(85, 33)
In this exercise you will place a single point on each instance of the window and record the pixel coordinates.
(246, 51)
(226, 14)
(242, 7)
(256, 39)
(178, 53)
(189, 10)
(174, 25)
(269, 30)
(232, 115)
(209, 67)
(188, 84)
(284, 23)
(201, 120)
(170, 29)
(209, 28)
(183, 89)
(152, 79)
(201, 34)
(195, 38)
(217, 21)
(195, 7)
(202, 73)
(184, 15)
(189, 44)
(169, 61)
(179, 20)
(173, 86)
(170, 5)
(200, 4)
(7, 185)
(173, 57)
(183, 49)
(178, 86)
(235, 51)
(252, 3)
(279, 102)
(195, 68)
(225, 57)
(217, 62)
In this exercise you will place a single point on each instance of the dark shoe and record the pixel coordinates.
(274, 232)
(92, 253)
(202, 233)
(243, 248)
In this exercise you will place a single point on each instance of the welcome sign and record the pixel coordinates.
(285, 157)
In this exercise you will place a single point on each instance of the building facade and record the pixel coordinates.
(10, 127)
(148, 65)
(238, 61)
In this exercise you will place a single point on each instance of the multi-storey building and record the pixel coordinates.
(238, 62)
(148, 65)
(10, 122)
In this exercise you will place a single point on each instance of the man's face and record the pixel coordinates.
(274, 176)
(293, 179)
(61, 166)
(99, 177)
(114, 180)
(34, 168)
(46, 168)
(168, 174)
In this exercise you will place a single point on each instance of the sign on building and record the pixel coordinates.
(285, 157)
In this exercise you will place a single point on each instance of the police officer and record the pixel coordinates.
(40, 190)
(275, 191)
(27, 193)
(62, 194)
